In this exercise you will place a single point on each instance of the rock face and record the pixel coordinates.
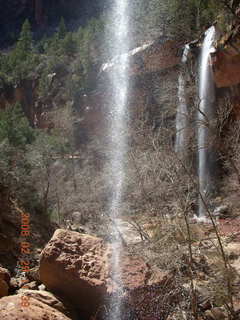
(227, 69)
(4, 282)
(77, 266)
(11, 309)
(153, 69)
(3, 288)
(45, 297)
(226, 62)
(73, 265)
(151, 57)
(10, 218)
(5, 275)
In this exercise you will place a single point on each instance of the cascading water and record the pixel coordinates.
(182, 113)
(117, 132)
(206, 116)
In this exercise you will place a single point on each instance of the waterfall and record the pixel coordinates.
(206, 116)
(182, 113)
(118, 46)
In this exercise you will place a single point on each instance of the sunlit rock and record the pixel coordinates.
(150, 57)
(11, 308)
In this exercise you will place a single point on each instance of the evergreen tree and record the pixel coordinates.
(24, 43)
(19, 59)
(62, 29)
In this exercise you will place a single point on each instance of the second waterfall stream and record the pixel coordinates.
(182, 112)
(206, 116)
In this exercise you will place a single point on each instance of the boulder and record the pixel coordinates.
(3, 288)
(5, 275)
(47, 298)
(12, 308)
(4, 282)
(78, 267)
(73, 265)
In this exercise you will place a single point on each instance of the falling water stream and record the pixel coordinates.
(182, 112)
(117, 130)
(117, 133)
(206, 115)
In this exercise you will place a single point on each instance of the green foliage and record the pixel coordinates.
(52, 64)
(69, 45)
(21, 61)
(62, 29)
(60, 45)
(15, 169)
(25, 154)
(48, 147)
(148, 18)
(89, 37)
(191, 17)
(14, 127)
(24, 43)
(52, 45)
(90, 50)
(23, 48)
(184, 19)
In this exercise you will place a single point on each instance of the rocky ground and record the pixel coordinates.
(161, 279)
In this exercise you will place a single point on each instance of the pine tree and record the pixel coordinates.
(24, 43)
(22, 60)
(62, 29)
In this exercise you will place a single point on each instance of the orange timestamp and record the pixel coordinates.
(25, 249)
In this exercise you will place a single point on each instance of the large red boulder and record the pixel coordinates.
(78, 267)
(73, 266)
